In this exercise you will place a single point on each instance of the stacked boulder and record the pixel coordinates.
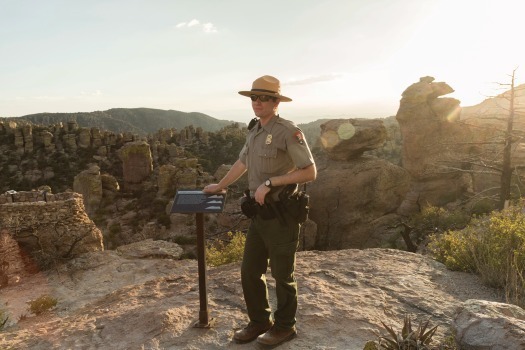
(355, 196)
(432, 139)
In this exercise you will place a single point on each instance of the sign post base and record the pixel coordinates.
(210, 324)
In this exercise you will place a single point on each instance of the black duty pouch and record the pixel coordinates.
(248, 205)
(250, 208)
(297, 203)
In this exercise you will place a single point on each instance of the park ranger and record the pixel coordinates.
(275, 155)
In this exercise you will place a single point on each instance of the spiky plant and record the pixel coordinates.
(408, 339)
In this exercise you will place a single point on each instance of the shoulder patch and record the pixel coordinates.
(299, 137)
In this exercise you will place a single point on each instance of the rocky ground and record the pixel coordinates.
(122, 300)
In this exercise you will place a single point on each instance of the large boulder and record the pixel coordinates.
(47, 140)
(110, 186)
(149, 248)
(166, 179)
(70, 141)
(344, 139)
(96, 137)
(221, 171)
(481, 324)
(348, 198)
(137, 162)
(84, 138)
(89, 184)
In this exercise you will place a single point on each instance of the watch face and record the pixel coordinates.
(268, 183)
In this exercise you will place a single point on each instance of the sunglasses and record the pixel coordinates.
(262, 98)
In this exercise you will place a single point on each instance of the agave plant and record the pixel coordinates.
(408, 339)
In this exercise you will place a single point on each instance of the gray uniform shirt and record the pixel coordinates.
(274, 149)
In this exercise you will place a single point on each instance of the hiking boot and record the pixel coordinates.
(276, 336)
(251, 331)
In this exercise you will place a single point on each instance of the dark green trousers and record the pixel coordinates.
(273, 241)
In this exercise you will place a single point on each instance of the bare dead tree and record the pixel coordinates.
(493, 156)
(506, 173)
(405, 233)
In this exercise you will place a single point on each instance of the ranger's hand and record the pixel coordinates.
(261, 193)
(212, 188)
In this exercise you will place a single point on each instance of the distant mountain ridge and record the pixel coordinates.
(497, 105)
(136, 120)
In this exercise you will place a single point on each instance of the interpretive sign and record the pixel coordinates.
(198, 202)
(194, 201)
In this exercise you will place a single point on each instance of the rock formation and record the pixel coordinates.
(137, 162)
(346, 139)
(49, 227)
(61, 149)
(89, 184)
(110, 186)
(355, 196)
(482, 324)
(166, 180)
(431, 137)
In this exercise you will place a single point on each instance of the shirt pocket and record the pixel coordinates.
(268, 160)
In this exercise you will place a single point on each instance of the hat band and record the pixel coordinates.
(263, 90)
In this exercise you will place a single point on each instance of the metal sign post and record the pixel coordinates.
(198, 202)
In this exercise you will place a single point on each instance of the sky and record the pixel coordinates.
(334, 58)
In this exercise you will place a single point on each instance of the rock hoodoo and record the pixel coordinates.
(137, 162)
(428, 128)
(89, 184)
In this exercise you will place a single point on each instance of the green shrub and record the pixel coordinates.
(432, 219)
(41, 304)
(492, 246)
(164, 220)
(221, 253)
(183, 240)
(188, 255)
(483, 207)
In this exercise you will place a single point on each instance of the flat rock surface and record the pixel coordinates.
(108, 301)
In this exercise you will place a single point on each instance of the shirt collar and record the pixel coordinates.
(268, 127)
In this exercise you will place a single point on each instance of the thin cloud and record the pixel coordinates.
(209, 28)
(313, 80)
(195, 23)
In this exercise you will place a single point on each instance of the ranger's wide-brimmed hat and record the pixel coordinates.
(266, 85)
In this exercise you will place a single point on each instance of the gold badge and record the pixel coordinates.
(269, 139)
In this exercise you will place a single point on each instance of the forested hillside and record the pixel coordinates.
(135, 120)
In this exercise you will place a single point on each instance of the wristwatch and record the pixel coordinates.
(268, 183)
